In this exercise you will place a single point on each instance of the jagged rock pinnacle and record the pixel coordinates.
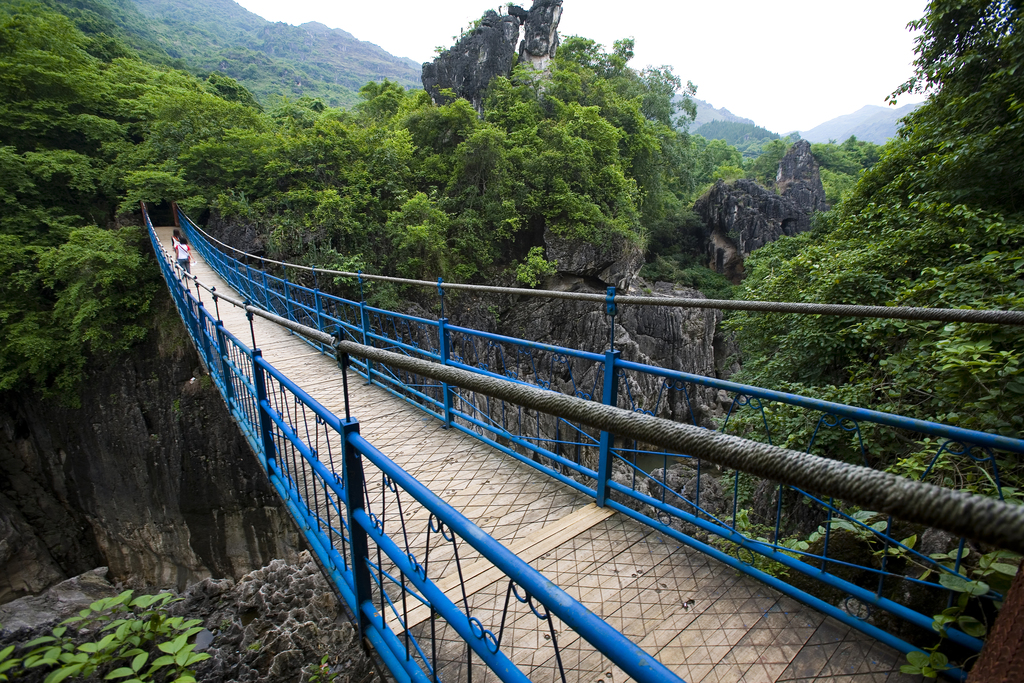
(489, 50)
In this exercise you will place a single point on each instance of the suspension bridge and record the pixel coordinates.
(477, 530)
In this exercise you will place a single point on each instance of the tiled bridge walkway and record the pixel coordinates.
(699, 617)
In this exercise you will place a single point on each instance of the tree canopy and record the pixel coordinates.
(936, 222)
(395, 185)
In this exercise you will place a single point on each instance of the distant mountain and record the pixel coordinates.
(270, 59)
(706, 114)
(871, 124)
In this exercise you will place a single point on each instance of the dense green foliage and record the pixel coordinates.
(398, 185)
(123, 637)
(402, 186)
(72, 109)
(842, 165)
(937, 221)
(745, 137)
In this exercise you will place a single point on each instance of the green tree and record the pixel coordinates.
(765, 168)
(936, 222)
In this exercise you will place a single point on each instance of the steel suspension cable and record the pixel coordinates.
(948, 315)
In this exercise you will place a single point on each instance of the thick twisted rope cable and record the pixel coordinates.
(986, 520)
(947, 315)
(983, 519)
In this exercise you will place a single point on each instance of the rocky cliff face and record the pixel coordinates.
(541, 39)
(479, 56)
(743, 216)
(799, 178)
(150, 477)
(489, 51)
(677, 338)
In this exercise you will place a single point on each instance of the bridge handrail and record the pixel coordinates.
(275, 425)
(962, 315)
(922, 426)
(628, 656)
(479, 424)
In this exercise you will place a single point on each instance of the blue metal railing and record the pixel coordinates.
(376, 530)
(639, 481)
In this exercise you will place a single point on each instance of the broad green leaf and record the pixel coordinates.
(58, 675)
(161, 662)
(954, 583)
(41, 640)
(971, 626)
(918, 659)
(119, 673)
(979, 588)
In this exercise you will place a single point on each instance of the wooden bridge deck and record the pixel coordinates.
(699, 617)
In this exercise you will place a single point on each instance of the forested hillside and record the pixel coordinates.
(272, 60)
(748, 138)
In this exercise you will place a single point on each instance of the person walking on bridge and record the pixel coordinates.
(183, 252)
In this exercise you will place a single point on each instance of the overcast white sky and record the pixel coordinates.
(788, 65)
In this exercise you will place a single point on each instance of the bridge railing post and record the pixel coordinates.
(445, 352)
(364, 319)
(287, 297)
(225, 367)
(204, 339)
(319, 307)
(354, 484)
(609, 397)
(266, 293)
(259, 380)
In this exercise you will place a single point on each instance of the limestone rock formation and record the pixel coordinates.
(489, 50)
(614, 263)
(30, 617)
(275, 624)
(799, 178)
(150, 477)
(677, 338)
(742, 216)
(541, 40)
(466, 69)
